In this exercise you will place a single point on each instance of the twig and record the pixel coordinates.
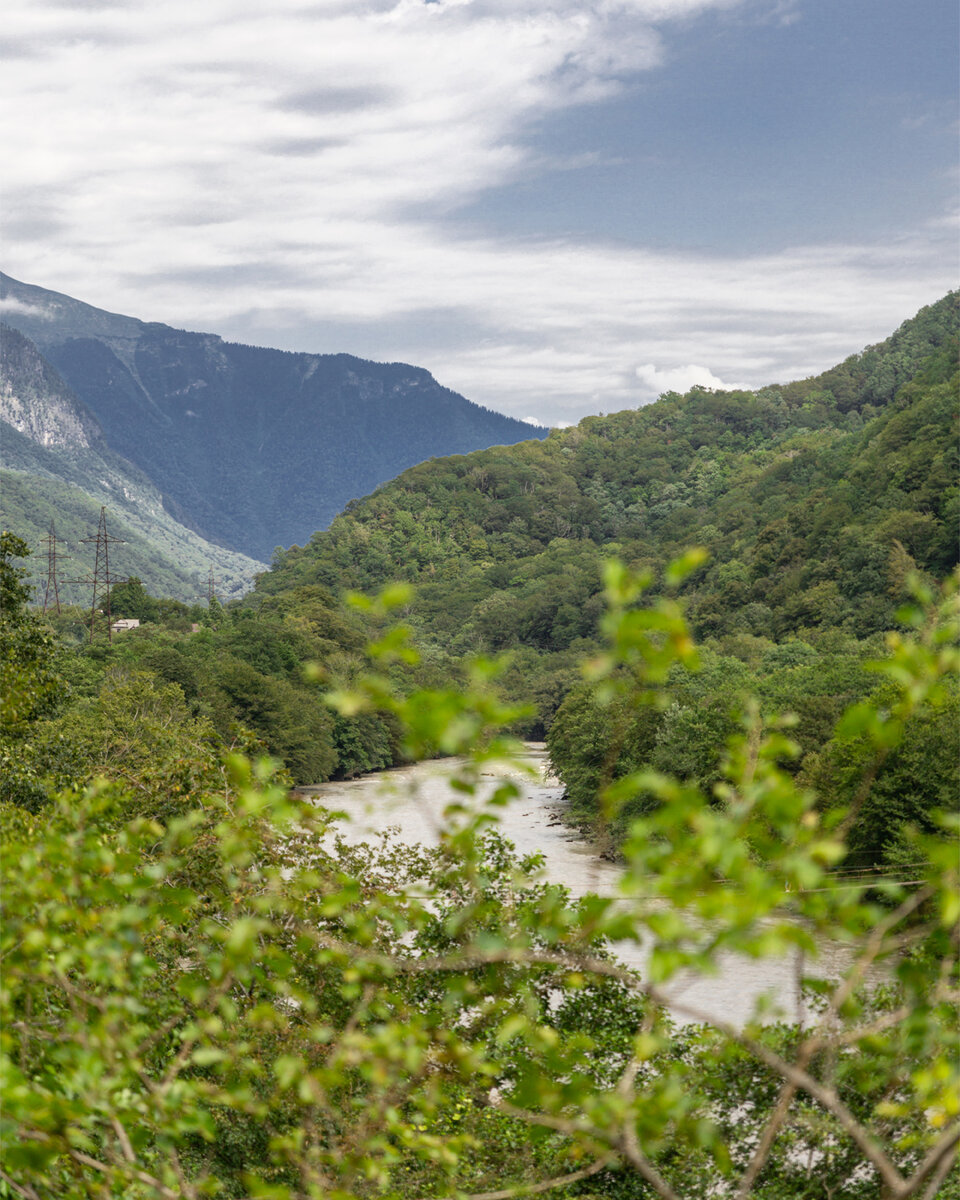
(632, 1153)
(940, 996)
(940, 1175)
(767, 1138)
(75, 993)
(875, 945)
(23, 1189)
(824, 1095)
(638, 1159)
(565, 1125)
(124, 1141)
(810, 1046)
(867, 781)
(158, 1034)
(178, 1063)
(788, 1071)
(943, 1152)
(140, 1176)
(534, 1189)
(185, 1186)
(362, 1003)
(625, 1088)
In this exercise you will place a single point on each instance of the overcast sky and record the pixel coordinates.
(556, 206)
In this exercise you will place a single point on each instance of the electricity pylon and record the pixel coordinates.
(51, 541)
(102, 579)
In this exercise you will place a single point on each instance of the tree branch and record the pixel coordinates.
(635, 1156)
(938, 1161)
(933, 1188)
(620, 1142)
(140, 1176)
(827, 1097)
(24, 1189)
(534, 1189)
(767, 1138)
(875, 945)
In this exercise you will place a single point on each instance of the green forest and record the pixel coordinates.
(816, 503)
(733, 619)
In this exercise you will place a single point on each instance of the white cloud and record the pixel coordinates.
(405, 103)
(276, 173)
(679, 379)
(9, 304)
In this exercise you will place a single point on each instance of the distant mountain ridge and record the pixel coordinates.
(251, 448)
(57, 466)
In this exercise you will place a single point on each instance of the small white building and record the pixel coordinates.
(124, 624)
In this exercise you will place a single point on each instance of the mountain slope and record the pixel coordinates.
(814, 500)
(58, 467)
(252, 448)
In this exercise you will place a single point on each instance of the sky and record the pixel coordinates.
(558, 208)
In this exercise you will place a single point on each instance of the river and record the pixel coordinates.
(411, 799)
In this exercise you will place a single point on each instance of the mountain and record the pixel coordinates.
(814, 500)
(251, 448)
(57, 467)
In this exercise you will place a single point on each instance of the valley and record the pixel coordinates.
(480, 600)
(729, 617)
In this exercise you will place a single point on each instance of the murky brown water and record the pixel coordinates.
(412, 799)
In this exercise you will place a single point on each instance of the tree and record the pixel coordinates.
(30, 685)
(231, 1002)
(131, 599)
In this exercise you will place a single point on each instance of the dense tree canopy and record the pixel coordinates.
(817, 503)
(814, 500)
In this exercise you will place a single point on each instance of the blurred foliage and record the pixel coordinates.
(215, 995)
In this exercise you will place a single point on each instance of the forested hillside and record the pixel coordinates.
(817, 504)
(193, 682)
(813, 500)
(207, 993)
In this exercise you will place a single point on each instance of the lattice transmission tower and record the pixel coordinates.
(52, 588)
(211, 588)
(101, 579)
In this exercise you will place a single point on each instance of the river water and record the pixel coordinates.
(412, 799)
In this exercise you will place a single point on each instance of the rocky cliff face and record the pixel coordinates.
(252, 448)
(36, 402)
